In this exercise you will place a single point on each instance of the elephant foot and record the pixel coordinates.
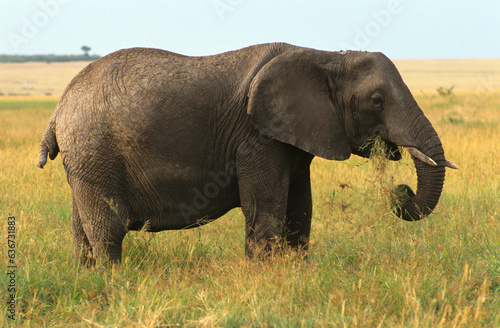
(268, 250)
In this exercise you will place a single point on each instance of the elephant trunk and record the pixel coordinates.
(430, 164)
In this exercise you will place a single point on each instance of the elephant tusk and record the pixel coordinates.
(451, 165)
(421, 156)
(426, 159)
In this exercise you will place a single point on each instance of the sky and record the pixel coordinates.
(402, 29)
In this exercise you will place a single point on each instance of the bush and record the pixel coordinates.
(442, 91)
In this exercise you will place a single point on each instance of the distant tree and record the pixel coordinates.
(86, 50)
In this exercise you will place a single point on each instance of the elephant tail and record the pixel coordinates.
(48, 145)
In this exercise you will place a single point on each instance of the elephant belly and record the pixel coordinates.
(182, 199)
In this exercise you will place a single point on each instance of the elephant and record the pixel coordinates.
(156, 140)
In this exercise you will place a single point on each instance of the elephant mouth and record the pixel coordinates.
(390, 149)
(393, 152)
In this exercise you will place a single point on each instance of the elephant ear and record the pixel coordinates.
(290, 101)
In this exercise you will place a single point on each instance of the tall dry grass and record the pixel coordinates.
(366, 268)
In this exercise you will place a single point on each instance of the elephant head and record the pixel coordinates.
(331, 103)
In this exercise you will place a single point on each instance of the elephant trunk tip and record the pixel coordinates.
(403, 206)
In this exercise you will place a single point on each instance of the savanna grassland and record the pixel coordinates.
(366, 268)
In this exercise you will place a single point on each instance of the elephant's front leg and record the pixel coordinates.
(299, 211)
(263, 178)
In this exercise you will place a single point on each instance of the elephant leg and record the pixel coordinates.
(103, 221)
(82, 246)
(299, 212)
(263, 179)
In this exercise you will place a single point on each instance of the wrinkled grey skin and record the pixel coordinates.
(154, 139)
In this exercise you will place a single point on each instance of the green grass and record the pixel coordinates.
(365, 268)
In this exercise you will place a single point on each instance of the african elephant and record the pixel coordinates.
(155, 140)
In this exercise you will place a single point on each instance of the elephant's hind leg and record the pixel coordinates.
(81, 243)
(103, 223)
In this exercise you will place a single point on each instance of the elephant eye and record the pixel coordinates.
(378, 100)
